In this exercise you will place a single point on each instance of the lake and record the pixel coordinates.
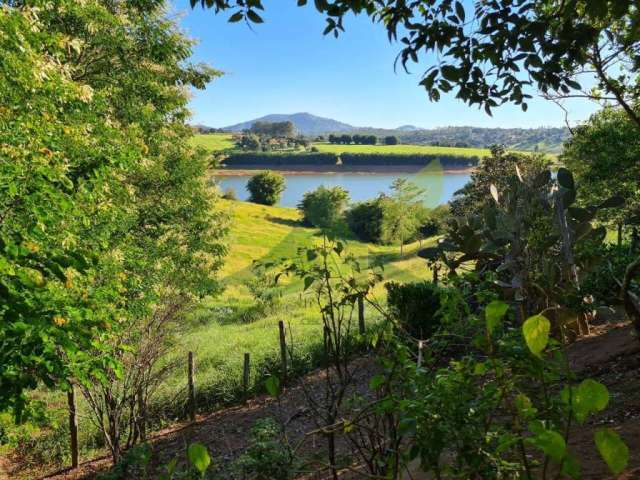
(439, 186)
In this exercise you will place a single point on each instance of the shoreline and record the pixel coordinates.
(354, 170)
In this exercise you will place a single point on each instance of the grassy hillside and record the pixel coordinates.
(401, 149)
(213, 142)
(219, 333)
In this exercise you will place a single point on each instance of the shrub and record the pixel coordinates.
(280, 158)
(416, 306)
(265, 188)
(435, 222)
(407, 159)
(323, 207)
(364, 219)
(268, 456)
(230, 194)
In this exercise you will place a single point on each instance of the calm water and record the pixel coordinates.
(439, 186)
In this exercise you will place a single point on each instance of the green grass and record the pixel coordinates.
(402, 149)
(264, 233)
(217, 334)
(213, 142)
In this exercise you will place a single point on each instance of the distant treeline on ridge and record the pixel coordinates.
(360, 159)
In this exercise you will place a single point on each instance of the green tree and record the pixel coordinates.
(104, 206)
(323, 207)
(499, 169)
(266, 188)
(403, 213)
(391, 140)
(604, 155)
(364, 219)
(274, 129)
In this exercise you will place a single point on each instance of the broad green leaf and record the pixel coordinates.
(589, 397)
(571, 467)
(525, 406)
(565, 179)
(273, 386)
(308, 281)
(551, 443)
(612, 449)
(536, 333)
(494, 312)
(199, 457)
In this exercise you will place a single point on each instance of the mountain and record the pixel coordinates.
(408, 128)
(305, 123)
(544, 139)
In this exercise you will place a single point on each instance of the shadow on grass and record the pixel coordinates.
(284, 221)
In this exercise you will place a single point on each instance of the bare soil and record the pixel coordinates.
(610, 354)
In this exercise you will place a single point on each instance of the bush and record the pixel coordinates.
(265, 188)
(230, 194)
(435, 222)
(323, 207)
(407, 159)
(416, 306)
(279, 159)
(364, 219)
(268, 455)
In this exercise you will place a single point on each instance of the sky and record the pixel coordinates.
(286, 65)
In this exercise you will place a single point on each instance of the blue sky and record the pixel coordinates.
(286, 65)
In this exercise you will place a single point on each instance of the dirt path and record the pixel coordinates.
(611, 355)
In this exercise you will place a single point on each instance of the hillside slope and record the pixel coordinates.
(305, 123)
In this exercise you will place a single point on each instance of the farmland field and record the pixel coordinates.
(401, 149)
(213, 142)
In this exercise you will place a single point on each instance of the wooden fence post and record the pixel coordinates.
(73, 426)
(245, 375)
(420, 345)
(361, 325)
(192, 390)
(283, 351)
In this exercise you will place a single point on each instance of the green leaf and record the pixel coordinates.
(460, 11)
(612, 449)
(273, 386)
(612, 202)
(254, 17)
(236, 17)
(494, 312)
(589, 397)
(525, 406)
(199, 457)
(308, 281)
(311, 255)
(536, 333)
(571, 467)
(551, 443)
(565, 179)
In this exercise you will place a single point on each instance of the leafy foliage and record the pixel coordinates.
(416, 306)
(265, 188)
(104, 204)
(324, 207)
(491, 53)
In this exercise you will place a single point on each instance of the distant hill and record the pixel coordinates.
(528, 139)
(305, 123)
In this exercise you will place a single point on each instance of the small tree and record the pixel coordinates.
(403, 213)
(265, 188)
(391, 140)
(364, 219)
(323, 207)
